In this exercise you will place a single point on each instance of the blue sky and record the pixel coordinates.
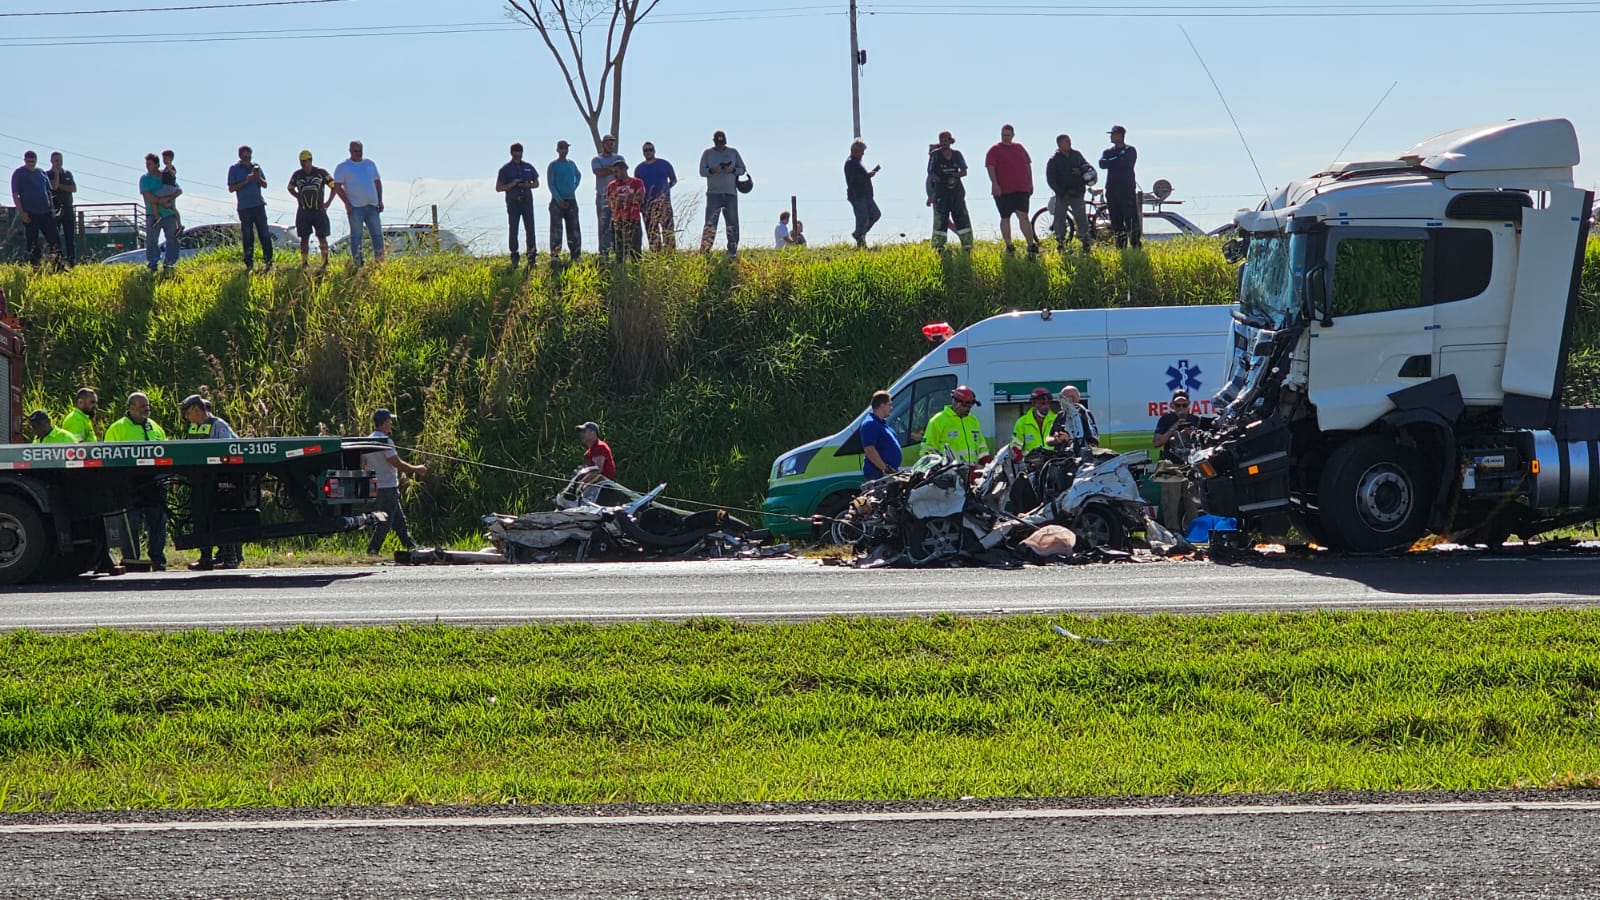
(437, 111)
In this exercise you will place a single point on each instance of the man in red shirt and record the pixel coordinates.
(596, 453)
(625, 194)
(1011, 180)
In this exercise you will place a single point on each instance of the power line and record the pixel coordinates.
(1278, 11)
(112, 12)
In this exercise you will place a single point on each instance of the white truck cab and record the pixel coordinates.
(1400, 344)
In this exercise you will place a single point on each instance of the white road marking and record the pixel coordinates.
(835, 818)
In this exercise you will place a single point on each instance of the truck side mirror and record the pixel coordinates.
(1234, 250)
(1317, 294)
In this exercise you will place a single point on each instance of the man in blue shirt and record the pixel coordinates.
(517, 180)
(563, 177)
(658, 178)
(1122, 188)
(30, 194)
(246, 181)
(878, 442)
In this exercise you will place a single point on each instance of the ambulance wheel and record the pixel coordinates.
(1374, 496)
(23, 539)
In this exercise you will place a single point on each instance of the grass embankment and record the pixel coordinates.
(711, 711)
(701, 371)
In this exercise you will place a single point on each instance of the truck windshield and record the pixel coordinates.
(1268, 289)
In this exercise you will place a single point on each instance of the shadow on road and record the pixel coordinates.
(1445, 575)
(213, 581)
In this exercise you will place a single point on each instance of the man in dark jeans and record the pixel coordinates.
(388, 465)
(1122, 188)
(517, 180)
(245, 180)
(30, 194)
(563, 177)
(858, 190)
(62, 187)
(1064, 173)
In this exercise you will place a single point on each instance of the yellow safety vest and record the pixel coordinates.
(962, 434)
(1029, 433)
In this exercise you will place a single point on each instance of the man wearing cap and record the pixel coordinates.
(388, 465)
(946, 194)
(516, 180)
(596, 454)
(1011, 181)
(30, 194)
(625, 195)
(1122, 188)
(80, 419)
(147, 498)
(46, 433)
(1174, 432)
(202, 425)
(563, 178)
(659, 179)
(1034, 425)
(957, 428)
(879, 444)
(603, 167)
(1075, 425)
(722, 167)
(307, 186)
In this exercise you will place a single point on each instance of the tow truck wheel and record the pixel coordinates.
(1374, 496)
(23, 539)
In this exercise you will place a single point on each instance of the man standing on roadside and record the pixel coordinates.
(625, 196)
(388, 465)
(80, 420)
(246, 180)
(858, 190)
(62, 187)
(30, 194)
(1122, 188)
(306, 185)
(46, 433)
(1064, 173)
(517, 180)
(946, 194)
(659, 179)
(147, 498)
(722, 167)
(563, 177)
(161, 219)
(957, 428)
(603, 166)
(1076, 425)
(357, 183)
(1011, 182)
(201, 425)
(879, 444)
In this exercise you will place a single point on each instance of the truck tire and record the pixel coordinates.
(1373, 496)
(78, 559)
(23, 539)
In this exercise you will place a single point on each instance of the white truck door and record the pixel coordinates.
(1381, 336)
(1473, 269)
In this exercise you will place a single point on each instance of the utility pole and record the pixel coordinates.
(857, 58)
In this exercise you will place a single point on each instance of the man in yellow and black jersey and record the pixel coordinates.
(307, 185)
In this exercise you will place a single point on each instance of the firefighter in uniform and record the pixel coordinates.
(947, 196)
(1034, 425)
(957, 428)
(203, 425)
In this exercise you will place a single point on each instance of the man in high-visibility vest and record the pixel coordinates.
(80, 419)
(1033, 426)
(148, 507)
(46, 433)
(957, 428)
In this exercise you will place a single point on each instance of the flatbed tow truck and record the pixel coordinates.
(62, 505)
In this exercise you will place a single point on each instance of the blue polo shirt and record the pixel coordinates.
(32, 189)
(875, 432)
(512, 172)
(249, 195)
(657, 177)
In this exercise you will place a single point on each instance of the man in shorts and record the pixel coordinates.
(1011, 180)
(312, 189)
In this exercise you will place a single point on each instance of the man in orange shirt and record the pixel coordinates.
(625, 194)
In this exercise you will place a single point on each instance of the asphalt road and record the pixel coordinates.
(788, 589)
(1421, 847)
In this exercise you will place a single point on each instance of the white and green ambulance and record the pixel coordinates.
(1125, 363)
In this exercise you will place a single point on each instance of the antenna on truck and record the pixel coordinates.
(1265, 194)
(1362, 125)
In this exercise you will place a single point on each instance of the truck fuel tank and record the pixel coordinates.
(1566, 474)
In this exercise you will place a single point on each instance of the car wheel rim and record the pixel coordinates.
(1383, 497)
(1094, 528)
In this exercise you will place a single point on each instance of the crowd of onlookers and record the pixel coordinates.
(632, 208)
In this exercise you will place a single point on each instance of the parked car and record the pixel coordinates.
(410, 240)
(204, 238)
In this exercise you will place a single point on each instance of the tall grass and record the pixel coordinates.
(701, 371)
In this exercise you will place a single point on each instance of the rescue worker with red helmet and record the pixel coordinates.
(957, 428)
(1033, 426)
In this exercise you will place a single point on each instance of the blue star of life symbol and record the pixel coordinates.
(1183, 375)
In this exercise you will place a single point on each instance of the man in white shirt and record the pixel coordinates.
(388, 465)
(1076, 424)
(357, 183)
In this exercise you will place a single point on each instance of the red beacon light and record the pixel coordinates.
(937, 332)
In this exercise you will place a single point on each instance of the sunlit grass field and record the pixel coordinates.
(713, 711)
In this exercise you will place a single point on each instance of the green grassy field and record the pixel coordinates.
(712, 711)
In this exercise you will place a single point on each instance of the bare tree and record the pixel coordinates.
(562, 24)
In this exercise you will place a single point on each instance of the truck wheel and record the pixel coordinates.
(23, 539)
(1374, 496)
(69, 565)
